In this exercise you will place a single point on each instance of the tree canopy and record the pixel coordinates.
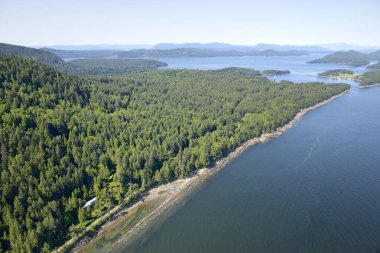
(66, 140)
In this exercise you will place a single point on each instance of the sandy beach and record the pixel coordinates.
(162, 197)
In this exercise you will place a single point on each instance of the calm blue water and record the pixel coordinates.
(300, 71)
(314, 189)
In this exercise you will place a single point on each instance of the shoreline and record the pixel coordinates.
(369, 86)
(172, 192)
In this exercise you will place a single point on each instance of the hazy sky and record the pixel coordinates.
(78, 22)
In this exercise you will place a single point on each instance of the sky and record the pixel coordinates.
(90, 22)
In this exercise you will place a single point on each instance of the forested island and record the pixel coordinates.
(273, 72)
(350, 58)
(371, 78)
(66, 140)
(339, 74)
(375, 66)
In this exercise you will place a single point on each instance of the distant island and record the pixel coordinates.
(339, 74)
(375, 66)
(369, 79)
(350, 58)
(273, 72)
(228, 47)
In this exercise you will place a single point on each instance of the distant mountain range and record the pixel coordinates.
(226, 47)
(347, 47)
(219, 47)
(114, 47)
(160, 53)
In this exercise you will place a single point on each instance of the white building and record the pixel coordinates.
(89, 203)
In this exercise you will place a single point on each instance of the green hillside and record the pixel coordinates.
(375, 66)
(82, 67)
(41, 56)
(65, 140)
(115, 66)
(350, 58)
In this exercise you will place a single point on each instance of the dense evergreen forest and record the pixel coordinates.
(83, 66)
(337, 73)
(87, 54)
(114, 66)
(41, 56)
(274, 72)
(375, 66)
(65, 140)
(370, 78)
(351, 58)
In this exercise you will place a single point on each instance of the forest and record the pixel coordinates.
(41, 56)
(344, 74)
(82, 66)
(273, 72)
(66, 139)
(336, 72)
(370, 78)
(112, 66)
(350, 58)
(375, 66)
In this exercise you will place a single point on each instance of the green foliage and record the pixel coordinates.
(83, 66)
(115, 66)
(272, 72)
(375, 56)
(351, 58)
(238, 71)
(336, 72)
(370, 78)
(35, 54)
(375, 66)
(88, 54)
(65, 140)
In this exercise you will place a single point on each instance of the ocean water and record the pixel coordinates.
(297, 65)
